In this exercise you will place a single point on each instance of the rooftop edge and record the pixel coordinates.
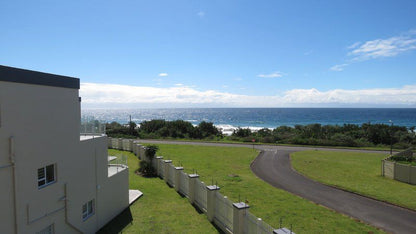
(18, 75)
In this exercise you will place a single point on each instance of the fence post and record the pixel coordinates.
(178, 178)
(191, 187)
(142, 152)
(158, 159)
(259, 223)
(382, 168)
(138, 147)
(239, 210)
(166, 169)
(211, 197)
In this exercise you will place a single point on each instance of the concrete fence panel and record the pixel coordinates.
(120, 144)
(250, 223)
(402, 172)
(223, 216)
(114, 143)
(171, 175)
(109, 140)
(184, 184)
(201, 195)
(413, 175)
(125, 144)
(161, 172)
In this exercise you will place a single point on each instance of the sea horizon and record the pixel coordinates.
(258, 117)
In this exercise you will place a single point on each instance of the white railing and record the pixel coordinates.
(90, 126)
(116, 165)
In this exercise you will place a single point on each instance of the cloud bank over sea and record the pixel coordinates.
(113, 96)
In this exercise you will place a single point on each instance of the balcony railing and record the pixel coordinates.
(115, 165)
(90, 126)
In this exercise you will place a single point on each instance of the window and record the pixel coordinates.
(46, 175)
(88, 210)
(47, 230)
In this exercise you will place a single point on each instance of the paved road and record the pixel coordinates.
(273, 166)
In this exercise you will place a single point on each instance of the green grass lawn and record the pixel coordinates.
(161, 209)
(230, 167)
(357, 172)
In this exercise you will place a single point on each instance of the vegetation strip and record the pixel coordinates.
(365, 135)
(356, 172)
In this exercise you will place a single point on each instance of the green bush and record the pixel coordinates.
(146, 169)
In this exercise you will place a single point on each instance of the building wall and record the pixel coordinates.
(39, 119)
(44, 124)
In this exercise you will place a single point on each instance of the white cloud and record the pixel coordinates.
(163, 74)
(112, 95)
(353, 46)
(338, 67)
(402, 96)
(380, 48)
(271, 75)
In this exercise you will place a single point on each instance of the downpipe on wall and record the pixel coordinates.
(13, 165)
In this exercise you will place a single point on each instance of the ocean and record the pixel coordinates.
(257, 118)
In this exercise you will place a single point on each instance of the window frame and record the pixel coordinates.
(47, 175)
(89, 209)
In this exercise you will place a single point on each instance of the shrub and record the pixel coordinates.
(146, 169)
(151, 151)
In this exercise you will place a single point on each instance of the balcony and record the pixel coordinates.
(116, 164)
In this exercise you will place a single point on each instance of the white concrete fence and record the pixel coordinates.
(228, 216)
(401, 172)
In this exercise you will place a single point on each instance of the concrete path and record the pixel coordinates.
(273, 166)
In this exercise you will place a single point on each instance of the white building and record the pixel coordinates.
(52, 180)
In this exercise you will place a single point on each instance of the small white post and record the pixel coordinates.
(211, 197)
(166, 169)
(178, 178)
(191, 187)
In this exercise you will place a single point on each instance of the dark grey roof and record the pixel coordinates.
(18, 75)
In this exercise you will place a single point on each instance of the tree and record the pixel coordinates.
(146, 167)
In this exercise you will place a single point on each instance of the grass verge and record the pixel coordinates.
(356, 172)
(230, 167)
(161, 209)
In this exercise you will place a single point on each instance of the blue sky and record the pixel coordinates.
(220, 53)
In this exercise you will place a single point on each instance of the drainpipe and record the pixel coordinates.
(12, 164)
(66, 212)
